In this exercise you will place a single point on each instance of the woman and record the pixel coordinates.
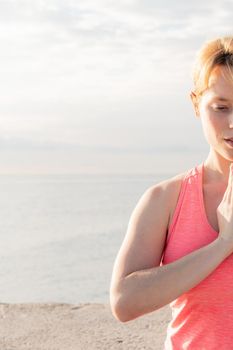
(179, 242)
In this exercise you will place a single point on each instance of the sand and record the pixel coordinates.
(83, 326)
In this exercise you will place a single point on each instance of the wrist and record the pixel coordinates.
(225, 245)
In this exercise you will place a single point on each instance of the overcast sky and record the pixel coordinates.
(102, 86)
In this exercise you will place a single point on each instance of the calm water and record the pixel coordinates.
(60, 234)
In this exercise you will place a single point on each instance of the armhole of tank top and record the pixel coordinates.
(178, 205)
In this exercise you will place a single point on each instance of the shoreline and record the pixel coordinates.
(55, 326)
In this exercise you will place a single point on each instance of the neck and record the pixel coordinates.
(217, 170)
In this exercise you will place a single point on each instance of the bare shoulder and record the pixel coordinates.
(145, 238)
(170, 189)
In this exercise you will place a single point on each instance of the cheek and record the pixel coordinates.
(211, 119)
(212, 126)
(213, 122)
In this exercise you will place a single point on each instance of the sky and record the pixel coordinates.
(102, 86)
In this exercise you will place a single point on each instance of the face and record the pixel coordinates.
(215, 109)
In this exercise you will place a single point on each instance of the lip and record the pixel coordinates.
(229, 142)
(231, 139)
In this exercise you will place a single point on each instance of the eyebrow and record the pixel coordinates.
(216, 97)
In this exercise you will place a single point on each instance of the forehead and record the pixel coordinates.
(220, 84)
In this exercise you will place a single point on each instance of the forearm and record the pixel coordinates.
(148, 290)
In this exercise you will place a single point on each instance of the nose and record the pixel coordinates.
(231, 119)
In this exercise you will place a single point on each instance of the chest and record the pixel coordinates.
(211, 199)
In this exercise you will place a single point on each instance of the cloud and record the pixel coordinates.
(74, 74)
(90, 45)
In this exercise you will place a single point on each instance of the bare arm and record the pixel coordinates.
(147, 290)
(139, 285)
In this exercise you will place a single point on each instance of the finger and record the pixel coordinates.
(230, 178)
(229, 184)
(230, 175)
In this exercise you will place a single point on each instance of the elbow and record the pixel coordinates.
(120, 308)
(119, 313)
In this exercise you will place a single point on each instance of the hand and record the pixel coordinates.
(225, 212)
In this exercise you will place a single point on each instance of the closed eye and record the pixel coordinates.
(220, 108)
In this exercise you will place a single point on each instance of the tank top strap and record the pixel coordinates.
(191, 173)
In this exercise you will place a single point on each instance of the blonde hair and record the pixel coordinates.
(217, 52)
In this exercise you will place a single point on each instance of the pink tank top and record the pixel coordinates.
(202, 318)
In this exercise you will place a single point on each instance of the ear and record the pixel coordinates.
(195, 103)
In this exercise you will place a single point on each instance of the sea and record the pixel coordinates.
(60, 234)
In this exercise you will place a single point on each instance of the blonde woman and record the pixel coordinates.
(179, 243)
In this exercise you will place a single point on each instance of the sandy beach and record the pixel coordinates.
(57, 326)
